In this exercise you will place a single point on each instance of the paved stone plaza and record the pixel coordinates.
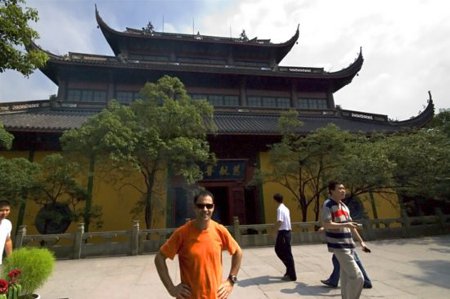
(400, 268)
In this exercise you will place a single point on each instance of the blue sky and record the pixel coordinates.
(405, 43)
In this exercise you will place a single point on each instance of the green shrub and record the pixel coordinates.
(36, 266)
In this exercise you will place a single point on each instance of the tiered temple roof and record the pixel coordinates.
(238, 65)
(38, 116)
(161, 46)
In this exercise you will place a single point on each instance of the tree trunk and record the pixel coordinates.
(90, 187)
(148, 209)
(23, 203)
(303, 208)
(148, 200)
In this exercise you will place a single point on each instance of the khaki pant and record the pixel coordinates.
(352, 279)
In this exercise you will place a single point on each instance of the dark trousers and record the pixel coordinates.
(335, 275)
(284, 252)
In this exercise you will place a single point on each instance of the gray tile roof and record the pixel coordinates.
(43, 121)
(267, 124)
(234, 122)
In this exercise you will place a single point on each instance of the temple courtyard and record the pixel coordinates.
(398, 268)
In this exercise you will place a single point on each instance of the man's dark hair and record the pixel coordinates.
(203, 193)
(332, 185)
(4, 203)
(278, 197)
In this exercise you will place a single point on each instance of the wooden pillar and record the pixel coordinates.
(62, 89)
(294, 95)
(110, 91)
(243, 93)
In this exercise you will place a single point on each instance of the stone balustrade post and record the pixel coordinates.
(134, 246)
(367, 229)
(406, 224)
(441, 218)
(236, 229)
(78, 242)
(20, 236)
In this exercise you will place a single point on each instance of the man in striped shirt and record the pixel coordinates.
(339, 231)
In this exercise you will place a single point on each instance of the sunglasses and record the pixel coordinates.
(201, 206)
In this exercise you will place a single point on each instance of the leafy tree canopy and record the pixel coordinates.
(441, 121)
(366, 167)
(412, 163)
(301, 162)
(6, 138)
(16, 178)
(56, 182)
(422, 164)
(165, 129)
(172, 128)
(103, 137)
(16, 36)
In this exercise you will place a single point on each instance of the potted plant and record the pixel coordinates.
(35, 266)
(12, 288)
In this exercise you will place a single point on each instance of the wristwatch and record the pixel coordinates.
(232, 279)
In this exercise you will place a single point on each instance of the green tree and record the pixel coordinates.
(16, 179)
(366, 167)
(97, 142)
(16, 36)
(422, 163)
(166, 129)
(56, 189)
(441, 121)
(302, 163)
(169, 131)
(6, 138)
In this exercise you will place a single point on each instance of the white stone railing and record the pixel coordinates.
(136, 241)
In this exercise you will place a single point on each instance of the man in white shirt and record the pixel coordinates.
(283, 242)
(5, 229)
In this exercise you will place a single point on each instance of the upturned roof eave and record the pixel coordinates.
(111, 35)
(51, 57)
(111, 62)
(419, 120)
(107, 31)
(347, 74)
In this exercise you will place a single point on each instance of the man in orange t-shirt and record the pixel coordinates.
(199, 245)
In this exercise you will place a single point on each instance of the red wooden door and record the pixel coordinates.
(237, 204)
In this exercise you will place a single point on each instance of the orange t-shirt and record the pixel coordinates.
(200, 256)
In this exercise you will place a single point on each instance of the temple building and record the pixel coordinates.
(241, 77)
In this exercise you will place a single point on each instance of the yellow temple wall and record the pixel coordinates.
(116, 202)
(387, 206)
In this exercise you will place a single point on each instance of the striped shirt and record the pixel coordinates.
(340, 238)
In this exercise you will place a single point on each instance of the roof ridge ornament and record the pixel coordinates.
(148, 29)
(243, 35)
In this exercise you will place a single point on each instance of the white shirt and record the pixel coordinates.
(284, 216)
(5, 232)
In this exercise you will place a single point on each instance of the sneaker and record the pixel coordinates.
(328, 283)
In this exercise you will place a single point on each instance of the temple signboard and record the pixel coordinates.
(225, 170)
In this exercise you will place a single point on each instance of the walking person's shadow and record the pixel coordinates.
(298, 287)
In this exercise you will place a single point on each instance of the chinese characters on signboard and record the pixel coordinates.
(225, 170)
